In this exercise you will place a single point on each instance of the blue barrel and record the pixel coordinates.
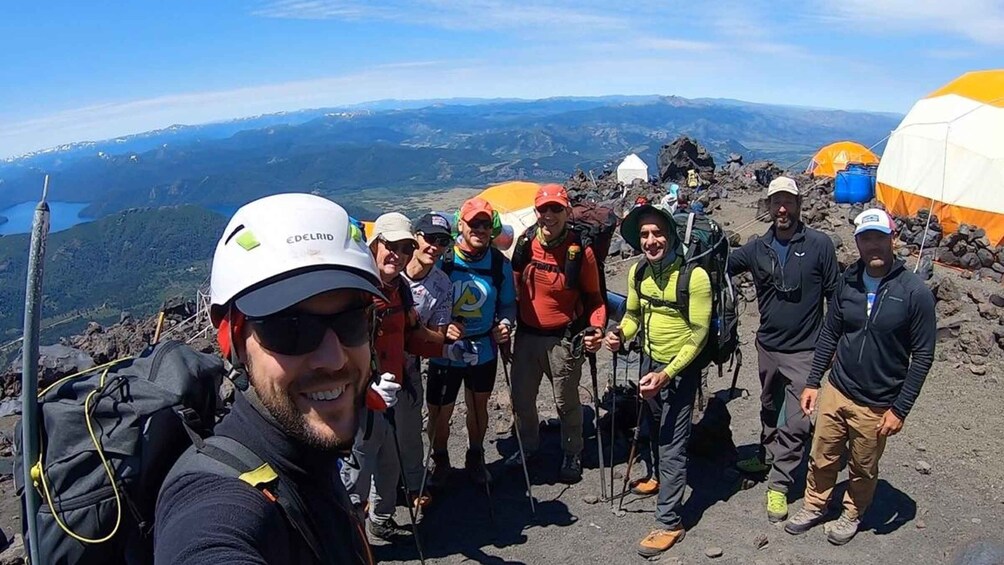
(855, 184)
(616, 306)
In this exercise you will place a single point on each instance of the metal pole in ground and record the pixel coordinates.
(29, 378)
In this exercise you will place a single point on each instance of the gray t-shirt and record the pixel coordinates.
(433, 297)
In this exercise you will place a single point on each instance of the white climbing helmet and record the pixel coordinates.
(281, 249)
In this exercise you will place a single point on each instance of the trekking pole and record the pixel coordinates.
(519, 438)
(599, 437)
(613, 426)
(29, 368)
(428, 456)
(389, 414)
(631, 455)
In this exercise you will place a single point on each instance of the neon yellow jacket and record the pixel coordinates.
(669, 337)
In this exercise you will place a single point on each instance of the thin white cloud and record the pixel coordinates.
(667, 44)
(454, 14)
(981, 21)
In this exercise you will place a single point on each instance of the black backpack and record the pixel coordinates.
(108, 437)
(707, 247)
(591, 226)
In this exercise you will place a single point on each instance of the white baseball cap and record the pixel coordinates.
(392, 226)
(285, 248)
(782, 184)
(874, 219)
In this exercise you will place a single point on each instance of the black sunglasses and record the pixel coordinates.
(405, 247)
(777, 274)
(437, 239)
(552, 208)
(299, 333)
(480, 224)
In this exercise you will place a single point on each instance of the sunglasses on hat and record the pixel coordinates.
(299, 333)
(553, 208)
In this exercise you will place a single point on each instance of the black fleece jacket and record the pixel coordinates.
(208, 519)
(790, 298)
(882, 360)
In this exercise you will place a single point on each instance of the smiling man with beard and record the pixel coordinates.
(294, 316)
(879, 335)
(795, 271)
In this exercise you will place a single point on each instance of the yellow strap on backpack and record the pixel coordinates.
(38, 470)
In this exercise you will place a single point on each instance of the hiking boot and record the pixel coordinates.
(753, 465)
(842, 530)
(645, 487)
(803, 521)
(571, 469)
(388, 531)
(440, 469)
(659, 541)
(476, 468)
(777, 506)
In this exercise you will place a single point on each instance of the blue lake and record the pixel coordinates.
(62, 215)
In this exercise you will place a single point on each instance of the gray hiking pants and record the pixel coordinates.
(408, 412)
(372, 473)
(786, 429)
(672, 408)
(535, 356)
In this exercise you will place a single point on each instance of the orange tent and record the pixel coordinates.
(947, 155)
(834, 158)
(510, 196)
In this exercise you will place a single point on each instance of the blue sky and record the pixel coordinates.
(72, 71)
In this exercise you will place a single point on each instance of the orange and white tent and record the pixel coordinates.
(947, 155)
(833, 158)
(514, 203)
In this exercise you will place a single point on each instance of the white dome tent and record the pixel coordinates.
(631, 168)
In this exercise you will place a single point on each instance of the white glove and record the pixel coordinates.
(386, 389)
(462, 352)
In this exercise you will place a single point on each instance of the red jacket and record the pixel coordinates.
(396, 333)
(545, 303)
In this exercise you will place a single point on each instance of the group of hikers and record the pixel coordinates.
(330, 326)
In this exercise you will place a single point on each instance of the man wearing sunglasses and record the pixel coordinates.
(552, 314)
(374, 458)
(292, 287)
(795, 271)
(487, 311)
(432, 293)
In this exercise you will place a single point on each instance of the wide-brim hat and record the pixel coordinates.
(631, 226)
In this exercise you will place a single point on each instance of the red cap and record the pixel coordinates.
(549, 193)
(474, 208)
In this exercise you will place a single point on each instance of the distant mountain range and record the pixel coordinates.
(149, 240)
(403, 146)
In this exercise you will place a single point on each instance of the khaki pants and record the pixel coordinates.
(842, 424)
(535, 356)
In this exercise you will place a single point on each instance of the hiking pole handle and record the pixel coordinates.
(29, 370)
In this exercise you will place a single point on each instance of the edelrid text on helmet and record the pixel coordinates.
(281, 249)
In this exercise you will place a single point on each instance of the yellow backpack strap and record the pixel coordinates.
(259, 477)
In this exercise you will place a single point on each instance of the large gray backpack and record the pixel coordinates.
(109, 435)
